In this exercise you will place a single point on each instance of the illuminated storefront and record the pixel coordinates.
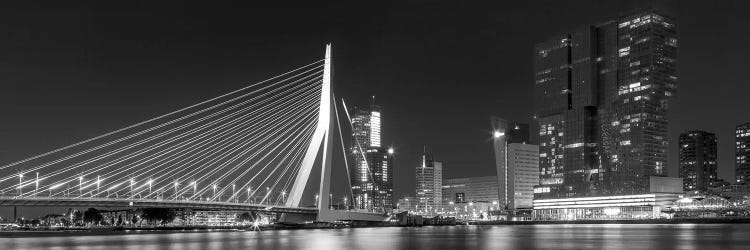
(642, 206)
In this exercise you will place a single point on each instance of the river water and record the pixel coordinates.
(678, 236)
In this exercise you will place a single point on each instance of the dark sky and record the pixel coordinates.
(71, 71)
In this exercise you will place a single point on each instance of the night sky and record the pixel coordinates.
(70, 71)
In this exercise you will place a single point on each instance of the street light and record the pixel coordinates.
(98, 182)
(497, 134)
(390, 151)
(149, 186)
(233, 196)
(80, 185)
(214, 191)
(36, 184)
(20, 181)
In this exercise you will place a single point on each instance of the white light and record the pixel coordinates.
(685, 200)
(390, 151)
(612, 211)
(497, 134)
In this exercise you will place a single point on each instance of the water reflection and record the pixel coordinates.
(724, 237)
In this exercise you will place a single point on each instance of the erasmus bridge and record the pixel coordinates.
(252, 149)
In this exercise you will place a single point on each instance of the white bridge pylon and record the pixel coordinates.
(320, 140)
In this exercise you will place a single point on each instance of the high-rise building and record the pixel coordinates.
(429, 186)
(698, 160)
(742, 153)
(601, 99)
(372, 171)
(381, 163)
(521, 176)
(505, 133)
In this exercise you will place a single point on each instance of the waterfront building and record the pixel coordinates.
(663, 193)
(697, 159)
(470, 198)
(215, 218)
(471, 189)
(601, 100)
(522, 174)
(429, 185)
(742, 153)
(733, 192)
(515, 164)
(372, 171)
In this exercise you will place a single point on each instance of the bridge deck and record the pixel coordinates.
(139, 203)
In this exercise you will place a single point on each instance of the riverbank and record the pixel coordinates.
(651, 221)
(103, 230)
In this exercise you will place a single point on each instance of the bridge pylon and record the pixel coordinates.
(321, 140)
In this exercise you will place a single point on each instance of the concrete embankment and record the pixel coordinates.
(655, 221)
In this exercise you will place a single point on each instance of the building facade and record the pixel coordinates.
(521, 176)
(429, 185)
(372, 166)
(471, 189)
(506, 133)
(662, 194)
(742, 153)
(601, 99)
(697, 160)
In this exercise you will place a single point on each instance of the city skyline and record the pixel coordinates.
(65, 93)
(591, 124)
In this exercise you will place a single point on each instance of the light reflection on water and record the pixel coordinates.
(724, 237)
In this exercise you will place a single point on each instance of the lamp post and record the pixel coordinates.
(98, 183)
(175, 189)
(36, 184)
(80, 185)
(20, 186)
(131, 188)
(150, 181)
(214, 191)
(234, 197)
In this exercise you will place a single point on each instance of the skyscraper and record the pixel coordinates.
(742, 153)
(429, 186)
(517, 190)
(372, 171)
(697, 160)
(516, 163)
(601, 98)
